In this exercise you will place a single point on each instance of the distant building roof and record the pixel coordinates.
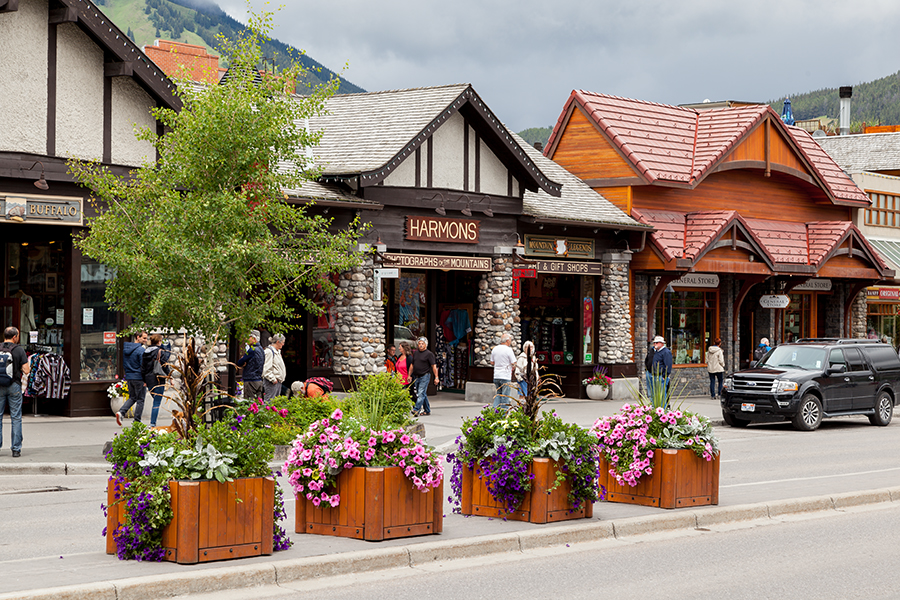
(864, 152)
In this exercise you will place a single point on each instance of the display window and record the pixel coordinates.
(558, 314)
(883, 322)
(688, 319)
(35, 294)
(797, 317)
(98, 324)
(410, 307)
(323, 327)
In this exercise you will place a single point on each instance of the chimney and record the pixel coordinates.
(846, 92)
(539, 146)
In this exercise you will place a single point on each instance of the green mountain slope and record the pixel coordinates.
(198, 22)
(536, 134)
(874, 103)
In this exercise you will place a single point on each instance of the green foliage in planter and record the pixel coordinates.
(380, 402)
(282, 419)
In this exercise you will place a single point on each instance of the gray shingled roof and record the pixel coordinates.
(579, 202)
(362, 132)
(866, 152)
(318, 191)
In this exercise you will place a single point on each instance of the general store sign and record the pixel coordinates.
(697, 280)
(774, 301)
(814, 285)
(445, 263)
(437, 229)
(545, 245)
(45, 210)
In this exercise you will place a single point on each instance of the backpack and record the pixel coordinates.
(6, 365)
(759, 353)
(648, 361)
(322, 382)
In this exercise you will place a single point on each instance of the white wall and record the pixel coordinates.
(447, 165)
(130, 112)
(23, 78)
(79, 95)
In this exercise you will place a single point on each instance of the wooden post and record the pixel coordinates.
(300, 503)
(715, 480)
(268, 516)
(187, 507)
(438, 521)
(667, 470)
(112, 515)
(465, 502)
(374, 521)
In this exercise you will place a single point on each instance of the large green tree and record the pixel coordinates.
(203, 238)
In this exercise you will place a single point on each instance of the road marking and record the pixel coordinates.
(810, 478)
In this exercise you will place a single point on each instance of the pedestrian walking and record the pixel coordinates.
(648, 367)
(13, 364)
(155, 370)
(391, 358)
(404, 362)
(424, 366)
(274, 371)
(762, 349)
(132, 361)
(661, 368)
(504, 360)
(715, 366)
(252, 362)
(527, 354)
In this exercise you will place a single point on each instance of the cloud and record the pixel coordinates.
(525, 57)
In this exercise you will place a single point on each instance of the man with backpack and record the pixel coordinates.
(13, 364)
(132, 361)
(761, 350)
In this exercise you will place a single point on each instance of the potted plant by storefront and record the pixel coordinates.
(196, 492)
(598, 384)
(656, 454)
(118, 395)
(358, 473)
(525, 465)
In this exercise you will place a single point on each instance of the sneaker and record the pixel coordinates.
(119, 419)
(16, 454)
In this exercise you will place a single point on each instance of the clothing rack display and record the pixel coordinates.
(49, 378)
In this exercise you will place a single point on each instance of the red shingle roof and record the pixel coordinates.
(680, 145)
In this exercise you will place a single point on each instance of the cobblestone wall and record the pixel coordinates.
(359, 327)
(498, 311)
(614, 314)
(858, 312)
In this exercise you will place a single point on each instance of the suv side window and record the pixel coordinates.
(836, 358)
(854, 360)
(883, 357)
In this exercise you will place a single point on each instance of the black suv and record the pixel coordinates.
(811, 379)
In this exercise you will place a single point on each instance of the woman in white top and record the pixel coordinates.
(715, 365)
(522, 367)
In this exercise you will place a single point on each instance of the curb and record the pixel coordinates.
(54, 469)
(315, 567)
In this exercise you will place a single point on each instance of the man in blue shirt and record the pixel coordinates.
(132, 358)
(661, 370)
(254, 359)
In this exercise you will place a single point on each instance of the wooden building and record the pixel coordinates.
(74, 86)
(748, 214)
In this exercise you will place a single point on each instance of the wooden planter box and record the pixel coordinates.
(680, 478)
(212, 520)
(537, 507)
(377, 503)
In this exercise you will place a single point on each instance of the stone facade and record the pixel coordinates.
(614, 315)
(858, 315)
(498, 311)
(359, 323)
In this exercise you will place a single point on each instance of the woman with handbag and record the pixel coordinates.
(155, 370)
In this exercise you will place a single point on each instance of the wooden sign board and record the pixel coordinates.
(438, 229)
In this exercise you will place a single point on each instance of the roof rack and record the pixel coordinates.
(838, 340)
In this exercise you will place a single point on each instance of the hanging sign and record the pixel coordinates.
(438, 229)
(546, 245)
(384, 274)
(446, 263)
(682, 320)
(814, 285)
(774, 301)
(518, 274)
(697, 280)
(562, 267)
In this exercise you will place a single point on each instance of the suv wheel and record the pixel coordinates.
(884, 410)
(733, 421)
(809, 414)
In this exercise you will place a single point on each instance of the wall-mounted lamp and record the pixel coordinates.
(487, 211)
(41, 183)
(468, 209)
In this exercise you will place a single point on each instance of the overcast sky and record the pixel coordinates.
(524, 57)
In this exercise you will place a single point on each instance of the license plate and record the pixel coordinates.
(747, 407)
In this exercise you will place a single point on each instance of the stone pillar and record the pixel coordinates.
(859, 315)
(359, 324)
(614, 345)
(498, 311)
(834, 311)
(642, 286)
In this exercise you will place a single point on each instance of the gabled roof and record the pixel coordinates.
(671, 145)
(128, 58)
(867, 152)
(576, 204)
(369, 135)
(686, 238)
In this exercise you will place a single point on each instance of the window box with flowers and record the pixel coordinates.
(525, 465)
(360, 474)
(655, 454)
(598, 385)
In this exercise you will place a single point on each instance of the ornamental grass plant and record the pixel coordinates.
(629, 439)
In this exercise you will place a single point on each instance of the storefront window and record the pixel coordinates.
(410, 304)
(687, 319)
(588, 312)
(548, 306)
(36, 289)
(323, 329)
(98, 323)
(796, 322)
(883, 322)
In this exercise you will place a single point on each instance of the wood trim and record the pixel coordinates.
(118, 69)
(477, 162)
(749, 282)
(67, 14)
(768, 149)
(562, 124)
(72, 333)
(509, 183)
(765, 167)
(9, 6)
(465, 156)
(664, 281)
(429, 161)
(51, 89)
(107, 120)
(614, 182)
(418, 167)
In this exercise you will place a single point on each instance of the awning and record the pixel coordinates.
(889, 251)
